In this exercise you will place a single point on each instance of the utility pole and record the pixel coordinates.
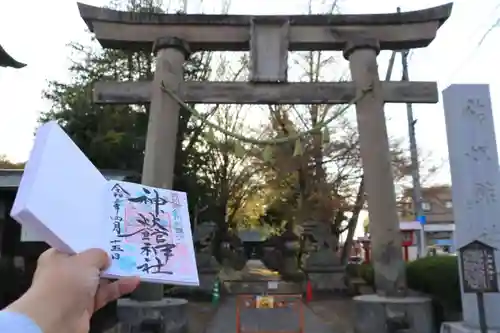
(415, 174)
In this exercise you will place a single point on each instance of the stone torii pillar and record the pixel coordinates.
(389, 307)
(376, 157)
(158, 171)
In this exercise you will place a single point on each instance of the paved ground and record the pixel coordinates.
(275, 320)
(284, 320)
(324, 316)
(336, 313)
(199, 314)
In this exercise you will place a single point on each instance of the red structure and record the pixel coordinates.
(309, 293)
(365, 241)
(408, 239)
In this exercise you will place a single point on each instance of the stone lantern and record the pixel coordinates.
(289, 245)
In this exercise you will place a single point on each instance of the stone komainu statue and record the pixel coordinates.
(203, 236)
(220, 242)
(319, 236)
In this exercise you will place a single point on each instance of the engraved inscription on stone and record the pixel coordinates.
(484, 193)
(474, 108)
(478, 268)
(478, 153)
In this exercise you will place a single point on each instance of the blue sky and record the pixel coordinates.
(39, 36)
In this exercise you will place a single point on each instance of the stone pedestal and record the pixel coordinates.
(228, 276)
(290, 264)
(331, 279)
(208, 270)
(169, 315)
(325, 272)
(380, 314)
(461, 327)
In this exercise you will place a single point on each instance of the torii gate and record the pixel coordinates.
(268, 38)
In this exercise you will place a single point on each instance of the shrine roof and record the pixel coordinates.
(6, 60)
(11, 178)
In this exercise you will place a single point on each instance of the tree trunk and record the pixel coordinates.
(353, 221)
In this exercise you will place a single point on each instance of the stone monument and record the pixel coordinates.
(475, 188)
(269, 39)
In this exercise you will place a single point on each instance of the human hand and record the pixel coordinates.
(66, 290)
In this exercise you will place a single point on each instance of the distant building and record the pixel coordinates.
(437, 206)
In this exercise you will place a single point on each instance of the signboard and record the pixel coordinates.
(264, 302)
(422, 219)
(479, 274)
(272, 285)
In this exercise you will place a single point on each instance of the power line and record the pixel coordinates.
(415, 169)
(484, 36)
(493, 14)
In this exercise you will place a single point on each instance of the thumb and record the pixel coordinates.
(110, 291)
(94, 258)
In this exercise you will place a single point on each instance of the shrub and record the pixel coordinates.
(435, 276)
(438, 277)
(353, 270)
(367, 274)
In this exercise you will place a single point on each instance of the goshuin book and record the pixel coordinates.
(66, 201)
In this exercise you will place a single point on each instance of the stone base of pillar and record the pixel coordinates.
(202, 292)
(374, 313)
(461, 327)
(169, 315)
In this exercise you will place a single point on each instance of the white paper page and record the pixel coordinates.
(60, 195)
(147, 240)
